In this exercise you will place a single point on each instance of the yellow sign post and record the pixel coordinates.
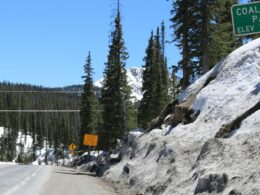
(72, 152)
(90, 140)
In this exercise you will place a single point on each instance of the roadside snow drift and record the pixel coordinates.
(188, 159)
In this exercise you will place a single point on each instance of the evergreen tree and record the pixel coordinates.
(203, 32)
(160, 76)
(115, 91)
(183, 23)
(165, 72)
(145, 113)
(163, 38)
(222, 40)
(88, 111)
(217, 38)
(205, 11)
(155, 80)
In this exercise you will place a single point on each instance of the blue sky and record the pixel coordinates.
(45, 42)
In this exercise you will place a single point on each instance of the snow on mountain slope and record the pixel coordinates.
(188, 159)
(134, 78)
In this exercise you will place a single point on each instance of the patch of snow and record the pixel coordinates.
(93, 153)
(1, 131)
(25, 140)
(7, 163)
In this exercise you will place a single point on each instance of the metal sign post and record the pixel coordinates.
(72, 148)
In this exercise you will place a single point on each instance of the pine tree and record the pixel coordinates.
(155, 79)
(165, 72)
(163, 38)
(160, 75)
(88, 111)
(205, 11)
(146, 105)
(183, 23)
(222, 40)
(115, 91)
(203, 31)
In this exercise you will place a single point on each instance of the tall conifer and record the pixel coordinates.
(88, 110)
(115, 91)
(182, 23)
(145, 113)
(155, 79)
(203, 32)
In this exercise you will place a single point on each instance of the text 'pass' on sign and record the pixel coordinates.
(246, 18)
(90, 140)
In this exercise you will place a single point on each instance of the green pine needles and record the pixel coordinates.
(155, 79)
(115, 94)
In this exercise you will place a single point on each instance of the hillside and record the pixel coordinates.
(208, 142)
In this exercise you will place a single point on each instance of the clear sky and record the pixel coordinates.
(45, 42)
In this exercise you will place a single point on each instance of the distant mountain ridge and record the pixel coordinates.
(135, 81)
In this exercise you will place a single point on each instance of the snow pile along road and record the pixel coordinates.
(187, 158)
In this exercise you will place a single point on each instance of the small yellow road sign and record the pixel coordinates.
(72, 146)
(90, 140)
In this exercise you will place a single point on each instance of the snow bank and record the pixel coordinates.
(187, 159)
(7, 163)
(1, 131)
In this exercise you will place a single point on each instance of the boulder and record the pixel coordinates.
(211, 183)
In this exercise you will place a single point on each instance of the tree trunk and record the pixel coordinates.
(205, 37)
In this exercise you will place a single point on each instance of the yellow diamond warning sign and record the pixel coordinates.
(72, 146)
(90, 140)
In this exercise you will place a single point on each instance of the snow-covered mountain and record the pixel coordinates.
(215, 150)
(135, 80)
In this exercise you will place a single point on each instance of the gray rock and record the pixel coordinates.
(126, 169)
(234, 192)
(212, 183)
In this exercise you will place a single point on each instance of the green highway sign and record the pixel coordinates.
(246, 18)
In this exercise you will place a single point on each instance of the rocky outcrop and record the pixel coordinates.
(212, 183)
(169, 109)
(181, 112)
(228, 129)
(235, 192)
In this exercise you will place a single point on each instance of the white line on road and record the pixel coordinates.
(22, 183)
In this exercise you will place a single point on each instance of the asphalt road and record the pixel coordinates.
(49, 180)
